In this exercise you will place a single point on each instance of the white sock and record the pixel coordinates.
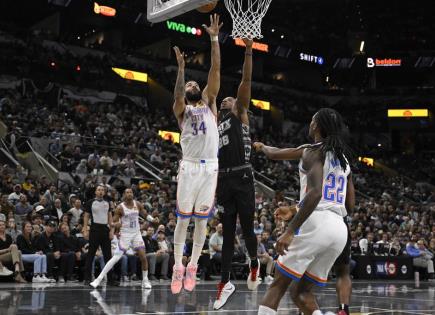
(180, 239)
(144, 274)
(317, 312)
(198, 240)
(264, 310)
(109, 265)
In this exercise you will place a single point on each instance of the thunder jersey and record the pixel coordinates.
(234, 142)
(130, 219)
(199, 133)
(334, 186)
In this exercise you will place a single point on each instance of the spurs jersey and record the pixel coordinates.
(130, 219)
(334, 186)
(199, 133)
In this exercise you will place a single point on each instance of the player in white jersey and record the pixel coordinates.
(317, 234)
(130, 237)
(197, 175)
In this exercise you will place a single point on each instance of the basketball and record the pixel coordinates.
(208, 7)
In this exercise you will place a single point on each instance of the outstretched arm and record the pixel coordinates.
(214, 76)
(280, 154)
(244, 92)
(179, 90)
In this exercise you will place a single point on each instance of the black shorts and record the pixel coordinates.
(235, 191)
(344, 258)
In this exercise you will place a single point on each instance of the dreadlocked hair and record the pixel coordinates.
(331, 127)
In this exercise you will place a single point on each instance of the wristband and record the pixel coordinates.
(214, 38)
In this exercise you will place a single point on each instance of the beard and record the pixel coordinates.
(193, 97)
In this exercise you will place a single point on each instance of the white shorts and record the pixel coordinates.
(313, 251)
(196, 189)
(130, 240)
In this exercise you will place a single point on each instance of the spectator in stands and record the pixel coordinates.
(29, 253)
(22, 209)
(56, 211)
(265, 259)
(27, 185)
(50, 194)
(155, 255)
(9, 253)
(215, 244)
(395, 248)
(69, 253)
(14, 197)
(76, 212)
(165, 249)
(12, 230)
(5, 205)
(258, 229)
(422, 257)
(48, 243)
(156, 158)
(82, 167)
(106, 162)
(366, 244)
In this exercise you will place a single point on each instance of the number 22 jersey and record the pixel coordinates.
(334, 186)
(199, 133)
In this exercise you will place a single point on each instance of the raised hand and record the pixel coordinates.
(180, 57)
(213, 29)
(248, 42)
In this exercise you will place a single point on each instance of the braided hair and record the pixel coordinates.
(331, 127)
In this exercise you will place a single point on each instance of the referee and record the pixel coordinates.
(235, 191)
(98, 210)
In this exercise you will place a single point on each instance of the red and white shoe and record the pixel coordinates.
(254, 277)
(177, 279)
(190, 279)
(225, 290)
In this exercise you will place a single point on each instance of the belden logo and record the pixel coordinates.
(388, 62)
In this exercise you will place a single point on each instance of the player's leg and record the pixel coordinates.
(109, 265)
(245, 203)
(274, 294)
(204, 207)
(93, 247)
(229, 221)
(344, 282)
(302, 295)
(146, 284)
(186, 192)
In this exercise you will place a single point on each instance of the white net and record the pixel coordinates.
(247, 16)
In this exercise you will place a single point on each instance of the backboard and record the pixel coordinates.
(161, 10)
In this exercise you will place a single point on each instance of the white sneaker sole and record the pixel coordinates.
(223, 304)
(94, 284)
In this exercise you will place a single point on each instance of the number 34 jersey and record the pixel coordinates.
(199, 133)
(334, 186)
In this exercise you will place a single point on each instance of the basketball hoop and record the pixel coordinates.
(247, 16)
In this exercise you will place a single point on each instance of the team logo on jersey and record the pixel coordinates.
(204, 208)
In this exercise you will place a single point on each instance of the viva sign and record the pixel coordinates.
(180, 27)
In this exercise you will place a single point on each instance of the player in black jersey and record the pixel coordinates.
(235, 191)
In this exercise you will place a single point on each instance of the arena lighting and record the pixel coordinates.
(103, 10)
(387, 62)
(256, 45)
(361, 46)
(182, 28)
(131, 75)
(368, 161)
(408, 113)
(169, 135)
(264, 105)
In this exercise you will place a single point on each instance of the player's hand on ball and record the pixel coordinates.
(285, 213)
(284, 242)
(180, 57)
(213, 29)
(258, 146)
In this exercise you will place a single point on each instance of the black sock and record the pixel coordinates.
(225, 277)
(254, 262)
(344, 307)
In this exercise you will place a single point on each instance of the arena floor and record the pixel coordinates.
(374, 297)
